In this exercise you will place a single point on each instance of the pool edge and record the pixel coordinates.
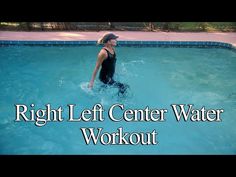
(202, 44)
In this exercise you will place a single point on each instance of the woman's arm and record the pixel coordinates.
(101, 56)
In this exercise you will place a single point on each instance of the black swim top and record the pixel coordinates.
(108, 67)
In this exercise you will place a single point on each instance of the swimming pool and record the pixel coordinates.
(157, 76)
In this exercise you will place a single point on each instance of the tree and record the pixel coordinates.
(111, 25)
(151, 26)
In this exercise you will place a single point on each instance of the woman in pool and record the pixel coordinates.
(107, 59)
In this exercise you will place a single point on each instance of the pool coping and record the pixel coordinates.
(197, 44)
(126, 38)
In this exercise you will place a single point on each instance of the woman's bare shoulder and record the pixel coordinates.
(102, 52)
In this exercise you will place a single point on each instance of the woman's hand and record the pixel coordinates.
(90, 85)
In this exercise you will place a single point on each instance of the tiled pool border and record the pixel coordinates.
(201, 44)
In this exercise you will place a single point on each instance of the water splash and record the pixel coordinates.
(84, 88)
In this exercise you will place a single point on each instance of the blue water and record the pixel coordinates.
(158, 77)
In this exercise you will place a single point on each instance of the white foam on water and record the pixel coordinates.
(61, 82)
(137, 61)
(84, 88)
(126, 68)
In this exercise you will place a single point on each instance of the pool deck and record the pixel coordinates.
(228, 37)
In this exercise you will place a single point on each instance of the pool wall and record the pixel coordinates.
(201, 44)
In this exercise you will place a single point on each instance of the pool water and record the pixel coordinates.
(158, 77)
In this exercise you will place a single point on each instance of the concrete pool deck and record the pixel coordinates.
(228, 37)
